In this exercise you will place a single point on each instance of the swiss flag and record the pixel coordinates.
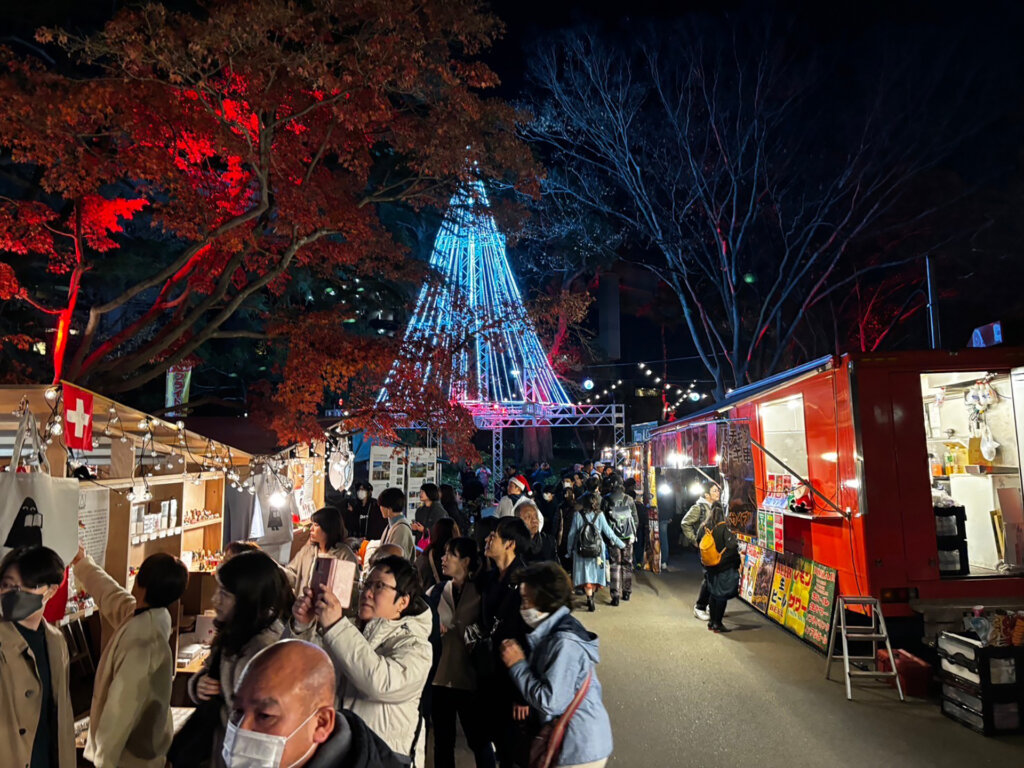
(77, 419)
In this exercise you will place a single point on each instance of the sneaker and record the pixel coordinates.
(718, 628)
(615, 601)
(664, 566)
(701, 613)
(625, 596)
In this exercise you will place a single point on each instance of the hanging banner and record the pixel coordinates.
(94, 522)
(179, 380)
(736, 463)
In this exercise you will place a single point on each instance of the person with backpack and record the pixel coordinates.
(622, 516)
(720, 556)
(692, 521)
(587, 546)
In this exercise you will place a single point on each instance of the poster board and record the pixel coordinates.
(763, 581)
(782, 582)
(422, 468)
(799, 595)
(821, 601)
(387, 467)
(748, 574)
(94, 522)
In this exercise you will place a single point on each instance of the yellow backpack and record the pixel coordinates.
(710, 555)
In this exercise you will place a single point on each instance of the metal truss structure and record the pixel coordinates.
(474, 320)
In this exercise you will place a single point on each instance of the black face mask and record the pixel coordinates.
(17, 605)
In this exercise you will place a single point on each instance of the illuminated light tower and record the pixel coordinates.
(474, 315)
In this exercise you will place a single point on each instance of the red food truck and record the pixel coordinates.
(900, 473)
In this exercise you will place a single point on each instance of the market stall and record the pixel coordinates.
(845, 476)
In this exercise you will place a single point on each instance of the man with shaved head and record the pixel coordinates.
(284, 716)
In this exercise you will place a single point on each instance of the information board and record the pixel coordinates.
(422, 469)
(822, 597)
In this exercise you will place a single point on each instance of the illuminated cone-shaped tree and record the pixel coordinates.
(470, 334)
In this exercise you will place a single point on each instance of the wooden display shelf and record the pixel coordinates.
(142, 538)
(194, 666)
(203, 524)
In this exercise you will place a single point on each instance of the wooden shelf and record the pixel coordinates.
(124, 484)
(142, 538)
(203, 524)
(76, 616)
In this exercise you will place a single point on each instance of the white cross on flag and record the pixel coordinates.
(77, 419)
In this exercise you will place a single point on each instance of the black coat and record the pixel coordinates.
(542, 548)
(363, 520)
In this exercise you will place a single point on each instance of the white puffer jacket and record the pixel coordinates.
(382, 671)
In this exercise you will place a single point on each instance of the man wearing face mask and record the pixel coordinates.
(36, 720)
(284, 716)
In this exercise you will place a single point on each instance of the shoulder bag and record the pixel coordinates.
(547, 744)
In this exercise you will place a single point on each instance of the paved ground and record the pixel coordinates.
(679, 695)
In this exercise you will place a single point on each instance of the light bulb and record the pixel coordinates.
(278, 498)
(665, 489)
(50, 394)
(56, 428)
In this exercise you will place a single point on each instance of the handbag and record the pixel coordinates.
(35, 508)
(547, 744)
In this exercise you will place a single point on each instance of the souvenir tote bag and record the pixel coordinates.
(35, 508)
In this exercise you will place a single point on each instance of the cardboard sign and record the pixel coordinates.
(339, 576)
(818, 621)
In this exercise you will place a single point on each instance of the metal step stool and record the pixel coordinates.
(875, 633)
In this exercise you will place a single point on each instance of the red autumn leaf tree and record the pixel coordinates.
(251, 140)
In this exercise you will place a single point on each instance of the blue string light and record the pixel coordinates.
(473, 315)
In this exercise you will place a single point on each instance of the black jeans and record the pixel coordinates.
(446, 705)
(705, 595)
(716, 607)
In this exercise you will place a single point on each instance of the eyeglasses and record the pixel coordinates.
(376, 586)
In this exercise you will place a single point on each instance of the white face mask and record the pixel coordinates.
(249, 749)
(533, 617)
(361, 495)
(548, 496)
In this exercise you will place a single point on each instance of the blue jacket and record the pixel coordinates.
(590, 570)
(562, 652)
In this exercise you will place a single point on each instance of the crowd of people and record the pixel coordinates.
(461, 614)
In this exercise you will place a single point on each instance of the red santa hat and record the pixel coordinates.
(521, 482)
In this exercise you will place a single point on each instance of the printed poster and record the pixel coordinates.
(799, 595)
(822, 597)
(94, 522)
(422, 469)
(387, 467)
(763, 582)
(782, 581)
(748, 576)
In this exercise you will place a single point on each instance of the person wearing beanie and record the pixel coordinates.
(517, 487)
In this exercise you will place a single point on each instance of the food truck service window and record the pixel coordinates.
(783, 433)
(972, 421)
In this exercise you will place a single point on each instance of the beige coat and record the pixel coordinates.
(300, 570)
(19, 697)
(130, 720)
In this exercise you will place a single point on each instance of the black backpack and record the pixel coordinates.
(589, 542)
